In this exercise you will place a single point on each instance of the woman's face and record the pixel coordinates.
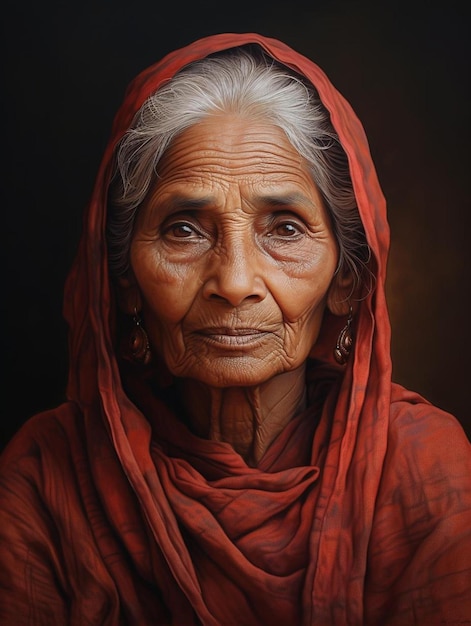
(233, 255)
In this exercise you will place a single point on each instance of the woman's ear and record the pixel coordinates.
(128, 294)
(340, 293)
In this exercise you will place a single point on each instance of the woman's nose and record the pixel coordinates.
(235, 275)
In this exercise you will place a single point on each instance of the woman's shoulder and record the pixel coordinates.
(42, 436)
(40, 469)
(427, 443)
(413, 415)
(420, 544)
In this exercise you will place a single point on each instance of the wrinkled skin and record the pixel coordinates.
(233, 260)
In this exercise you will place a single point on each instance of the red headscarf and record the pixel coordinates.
(366, 524)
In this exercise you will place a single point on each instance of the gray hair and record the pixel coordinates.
(248, 82)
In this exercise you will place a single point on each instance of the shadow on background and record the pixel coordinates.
(404, 69)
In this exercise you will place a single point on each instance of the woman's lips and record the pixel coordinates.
(233, 337)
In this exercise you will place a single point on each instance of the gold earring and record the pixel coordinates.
(344, 343)
(138, 344)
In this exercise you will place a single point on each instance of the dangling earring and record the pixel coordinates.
(345, 341)
(138, 345)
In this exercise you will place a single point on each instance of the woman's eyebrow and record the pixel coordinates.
(284, 200)
(183, 203)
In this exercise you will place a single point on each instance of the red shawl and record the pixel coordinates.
(358, 514)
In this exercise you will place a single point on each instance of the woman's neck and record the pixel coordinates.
(249, 418)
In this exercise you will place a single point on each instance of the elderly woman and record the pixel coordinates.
(233, 451)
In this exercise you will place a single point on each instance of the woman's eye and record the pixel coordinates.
(181, 230)
(286, 230)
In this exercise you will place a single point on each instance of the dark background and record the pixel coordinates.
(404, 67)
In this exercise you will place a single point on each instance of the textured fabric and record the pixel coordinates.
(112, 512)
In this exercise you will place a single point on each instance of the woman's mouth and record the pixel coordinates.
(233, 337)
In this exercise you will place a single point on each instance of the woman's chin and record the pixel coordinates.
(234, 372)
